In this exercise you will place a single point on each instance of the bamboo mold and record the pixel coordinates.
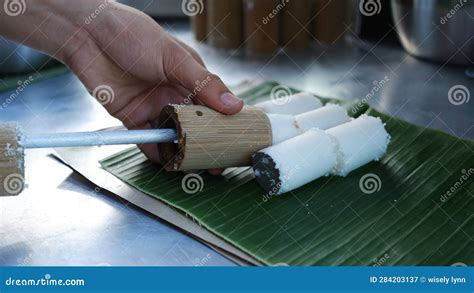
(208, 139)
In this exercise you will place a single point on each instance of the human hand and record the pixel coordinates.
(147, 69)
(124, 50)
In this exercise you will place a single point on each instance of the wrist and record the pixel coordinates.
(56, 27)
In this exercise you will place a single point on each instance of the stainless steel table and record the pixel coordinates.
(61, 220)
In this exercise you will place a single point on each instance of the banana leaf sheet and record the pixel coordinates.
(418, 211)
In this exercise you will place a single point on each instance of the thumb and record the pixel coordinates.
(205, 88)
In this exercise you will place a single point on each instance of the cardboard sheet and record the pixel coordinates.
(91, 169)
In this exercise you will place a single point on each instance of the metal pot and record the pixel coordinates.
(439, 30)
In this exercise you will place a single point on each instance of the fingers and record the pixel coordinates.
(206, 88)
(191, 51)
(150, 150)
(146, 107)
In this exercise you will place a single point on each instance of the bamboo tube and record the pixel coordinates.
(199, 24)
(224, 23)
(294, 24)
(261, 26)
(12, 164)
(208, 139)
(329, 21)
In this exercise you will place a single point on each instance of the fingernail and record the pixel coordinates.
(229, 99)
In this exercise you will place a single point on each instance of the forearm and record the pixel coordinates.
(56, 27)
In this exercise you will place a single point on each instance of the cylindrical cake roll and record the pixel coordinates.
(323, 118)
(290, 164)
(287, 126)
(295, 104)
(359, 142)
(12, 161)
(294, 162)
(283, 127)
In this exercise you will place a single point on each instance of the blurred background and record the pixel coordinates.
(429, 29)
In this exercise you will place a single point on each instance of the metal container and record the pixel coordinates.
(439, 30)
(16, 58)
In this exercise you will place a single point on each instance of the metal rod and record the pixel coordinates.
(98, 138)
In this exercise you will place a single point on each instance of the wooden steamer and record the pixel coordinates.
(208, 139)
(294, 25)
(224, 23)
(199, 24)
(329, 20)
(261, 26)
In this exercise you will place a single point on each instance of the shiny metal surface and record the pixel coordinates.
(439, 30)
(62, 220)
(97, 138)
(16, 58)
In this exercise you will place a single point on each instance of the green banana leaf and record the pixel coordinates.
(418, 211)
